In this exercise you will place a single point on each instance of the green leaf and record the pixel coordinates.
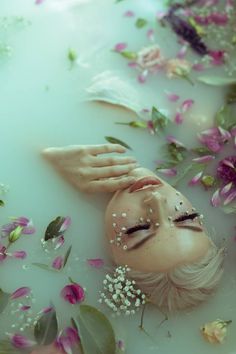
(45, 267)
(112, 140)
(134, 124)
(195, 168)
(225, 117)
(72, 55)
(2, 203)
(217, 81)
(158, 119)
(4, 298)
(96, 332)
(53, 229)
(230, 208)
(129, 55)
(201, 151)
(67, 256)
(176, 153)
(46, 328)
(141, 22)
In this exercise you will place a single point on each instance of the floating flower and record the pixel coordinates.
(21, 342)
(21, 292)
(177, 68)
(73, 293)
(213, 138)
(226, 170)
(186, 105)
(96, 262)
(150, 58)
(20, 223)
(215, 332)
(215, 200)
(218, 57)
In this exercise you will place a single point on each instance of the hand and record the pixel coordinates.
(87, 170)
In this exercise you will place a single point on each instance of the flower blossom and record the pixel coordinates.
(150, 58)
(73, 293)
(226, 172)
(67, 341)
(215, 332)
(18, 223)
(214, 138)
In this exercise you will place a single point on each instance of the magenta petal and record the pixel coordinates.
(143, 77)
(230, 198)
(172, 139)
(132, 64)
(213, 145)
(204, 159)
(72, 334)
(224, 133)
(59, 242)
(47, 309)
(96, 262)
(215, 200)
(172, 97)
(20, 221)
(19, 254)
(21, 292)
(21, 342)
(58, 262)
(129, 13)
(195, 179)
(119, 47)
(179, 118)
(66, 223)
(25, 308)
(186, 105)
(169, 172)
(224, 191)
(28, 230)
(39, 2)
(73, 293)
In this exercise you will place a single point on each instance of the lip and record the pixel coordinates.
(144, 183)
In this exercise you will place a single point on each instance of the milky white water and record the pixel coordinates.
(42, 104)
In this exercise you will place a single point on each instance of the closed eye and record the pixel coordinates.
(186, 217)
(135, 228)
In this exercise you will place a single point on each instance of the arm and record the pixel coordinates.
(88, 170)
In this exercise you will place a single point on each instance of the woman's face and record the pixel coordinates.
(153, 227)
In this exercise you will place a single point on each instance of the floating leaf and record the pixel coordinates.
(176, 152)
(225, 117)
(112, 140)
(96, 332)
(134, 124)
(67, 256)
(72, 55)
(159, 120)
(2, 203)
(46, 328)
(4, 298)
(129, 55)
(217, 81)
(141, 22)
(45, 267)
(54, 228)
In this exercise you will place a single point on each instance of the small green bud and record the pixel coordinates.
(15, 234)
(208, 181)
(72, 55)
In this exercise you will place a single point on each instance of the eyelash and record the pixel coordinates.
(184, 217)
(138, 228)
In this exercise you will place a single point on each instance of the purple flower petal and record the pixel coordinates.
(129, 13)
(47, 309)
(204, 159)
(21, 292)
(217, 57)
(58, 262)
(21, 342)
(224, 134)
(21, 220)
(215, 200)
(59, 242)
(66, 223)
(132, 64)
(224, 191)
(96, 262)
(19, 254)
(28, 230)
(25, 308)
(195, 179)
(182, 52)
(172, 139)
(179, 118)
(186, 105)
(172, 97)
(230, 197)
(119, 47)
(219, 19)
(169, 172)
(73, 293)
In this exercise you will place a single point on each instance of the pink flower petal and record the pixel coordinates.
(129, 13)
(21, 342)
(172, 97)
(58, 262)
(19, 254)
(169, 172)
(47, 309)
(21, 220)
(186, 105)
(3, 254)
(224, 191)
(182, 52)
(198, 67)
(230, 198)
(204, 159)
(160, 14)
(233, 131)
(179, 118)
(217, 57)
(150, 127)
(96, 262)
(119, 47)
(228, 163)
(219, 19)
(28, 230)
(66, 223)
(224, 133)
(172, 139)
(213, 145)
(39, 2)
(215, 200)
(73, 293)
(195, 179)
(25, 308)
(21, 292)
(59, 242)
(132, 64)
(143, 77)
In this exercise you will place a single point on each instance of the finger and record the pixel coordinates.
(115, 171)
(105, 149)
(111, 185)
(111, 161)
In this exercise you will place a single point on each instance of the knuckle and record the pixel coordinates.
(82, 173)
(111, 161)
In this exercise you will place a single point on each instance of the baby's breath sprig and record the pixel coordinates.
(120, 293)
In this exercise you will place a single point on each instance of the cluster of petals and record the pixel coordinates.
(73, 293)
(215, 331)
(214, 138)
(67, 339)
(21, 222)
(21, 342)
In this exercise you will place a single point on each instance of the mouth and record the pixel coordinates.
(145, 182)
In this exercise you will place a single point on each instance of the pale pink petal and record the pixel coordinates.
(179, 118)
(213, 145)
(96, 262)
(228, 163)
(19, 254)
(59, 242)
(204, 159)
(169, 172)
(47, 309)
(172, 139)
(150, 35)
(224, 133)
(224, 191)
(21, 292)
(21, 220)
(66, 223)
(215, 200)
(21, 342)
(119, 47)
(198, 67)
(182, 52)
(132, 64)
(230, 198)
(172, 97)
(150, 127)
(28, 230)
(217, 57)
(39, 2)
(129, 13)
(160, 15)
(143, 77)
(25, 308)
(58, 262)
(195, 179)
(219, 19)
(186, 105)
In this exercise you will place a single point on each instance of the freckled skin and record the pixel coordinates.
(170, 244)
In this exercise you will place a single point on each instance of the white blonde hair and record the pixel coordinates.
(185, 286)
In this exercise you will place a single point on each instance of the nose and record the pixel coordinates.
(157, 202)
